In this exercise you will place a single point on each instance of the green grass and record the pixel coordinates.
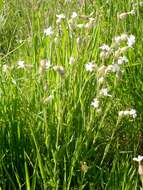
(64, 143)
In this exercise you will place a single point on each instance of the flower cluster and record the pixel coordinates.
(131, 113)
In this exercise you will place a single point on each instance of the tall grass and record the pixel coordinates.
(51, 137)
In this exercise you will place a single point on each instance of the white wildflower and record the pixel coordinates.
(131, 40)
(48, 31)
(44, 65)
(95, 103)
(89, 66)
(104, 92)
(74, 15)
(105, 47)
(133, 113)
(71, 61)
(138, 159)
(21, 64)
(122, 15)
(59, 18)
(132, 12)
(48, 99)
(115, 68)
(123, 37)
(122, 60)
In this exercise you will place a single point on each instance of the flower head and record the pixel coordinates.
(90, 66)
(95, 103)
(48, 31)
(21, 64)
(131, 40)
(138, 159)
(104, 92)
(122, 60)
(74, 15)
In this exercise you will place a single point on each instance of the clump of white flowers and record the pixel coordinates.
(132, 113)
(104, 92)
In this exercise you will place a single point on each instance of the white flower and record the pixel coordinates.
(123, 15)
(89, 66)
(133, 113)
(105, 47)
(131, 40)
(122, 60)
(61, 16)
(138, 159)
(71, 61)
(21, 64)
(74, 15)
(112, 68)
(132, 12)
(119, 39)
(48, 31)
(104, 92)
(95, 103)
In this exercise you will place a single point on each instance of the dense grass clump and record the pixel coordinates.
(71, 94)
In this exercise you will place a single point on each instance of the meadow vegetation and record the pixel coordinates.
(71, 94)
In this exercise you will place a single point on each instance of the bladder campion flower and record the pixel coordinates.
(48, 31)
(90, 66)
(131, 112)
(138, 159)
(104, 92)
(95, 103)
(21, 64)
(122, 60)
(131, 40)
